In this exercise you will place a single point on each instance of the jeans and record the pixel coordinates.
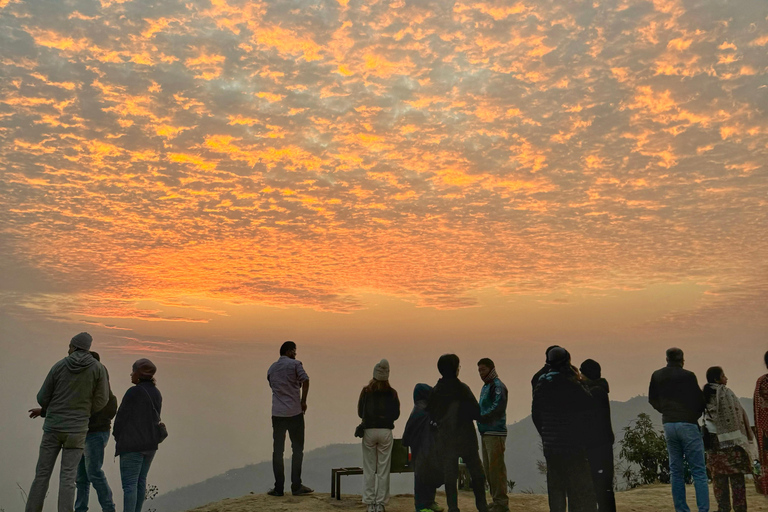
(569, 482)
(496, 470)
(294, 425)
(134, 467)
(89, 472)
(71, 447)
(684, 440)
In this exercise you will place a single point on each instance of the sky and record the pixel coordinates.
(198, 181)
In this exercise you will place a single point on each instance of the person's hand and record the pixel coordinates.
(34, 413)
(303, 407)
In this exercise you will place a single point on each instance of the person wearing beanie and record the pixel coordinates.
(561, 413)
(493, 432)
(75, 388)
(378, 407)
(601, 438)
(544, 369)
(136, 434)
(287, 379)
(454, 409)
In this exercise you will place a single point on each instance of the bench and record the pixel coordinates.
(400, 463)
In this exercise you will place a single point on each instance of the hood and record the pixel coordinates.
(599, 383)
(421, 393)
(79, 360)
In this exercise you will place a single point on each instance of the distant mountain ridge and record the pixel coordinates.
(523, 451)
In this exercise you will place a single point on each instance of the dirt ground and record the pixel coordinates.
(654, 498)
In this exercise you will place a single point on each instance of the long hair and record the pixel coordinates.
(377, 385)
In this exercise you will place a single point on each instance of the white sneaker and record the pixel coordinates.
(371, 507)
(380, 508)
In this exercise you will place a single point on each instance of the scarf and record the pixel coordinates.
(491, 375)
(728, 415)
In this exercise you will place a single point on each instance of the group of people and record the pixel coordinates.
(571, 412)
(78, 406)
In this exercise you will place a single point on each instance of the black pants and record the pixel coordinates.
(570, 480)
(601, 464)
(451, 475)
(427, 478)
(295, 428)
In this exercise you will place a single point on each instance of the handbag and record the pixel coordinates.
(360, 429)
(160, 430)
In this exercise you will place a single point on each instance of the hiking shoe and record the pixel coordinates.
(434, 507)
(275, 492)
(301, 491)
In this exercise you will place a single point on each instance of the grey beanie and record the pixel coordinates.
(82, 341)
(381, 370)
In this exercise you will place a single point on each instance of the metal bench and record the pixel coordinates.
(400, 463)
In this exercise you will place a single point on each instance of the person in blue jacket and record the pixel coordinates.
(493, 432)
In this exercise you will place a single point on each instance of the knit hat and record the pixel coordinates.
(591, 369)
(558, 356)
(82, 341)
(145, 369)
(381, 370)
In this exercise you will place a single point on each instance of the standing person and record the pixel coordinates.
(544, 369)
(454, 409)
(135, 433)
(760, 405)
(286, 377)
(675, 393)
(493, 432)
(600, 442)
(560, 411)
(379, 407)
(420, 437)
(75, 388)
(729, 439)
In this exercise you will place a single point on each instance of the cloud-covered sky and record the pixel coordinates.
(201, 180)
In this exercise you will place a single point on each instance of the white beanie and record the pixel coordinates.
(381, 370)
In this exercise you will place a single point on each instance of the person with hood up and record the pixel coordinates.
(75, 388)
(379, 407)
(420, 437)
(544, 369)
(560, 410)
(135, 432)
(600, 443)
(454, 409)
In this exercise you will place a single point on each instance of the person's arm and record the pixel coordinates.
(111, 408)
(498, 406)
(653, 395)
(101, 392)
(37, 411)
(536, 411)
(123, 412)
(395, 406)
(45, 394)
(697, 396)
(361, 404)
(302, 377)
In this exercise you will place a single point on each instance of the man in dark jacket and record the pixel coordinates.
(455, 409)
(493, 432)
(561, 408)
(420, 438)
(75, 388)
(676, 394)
(544, 369)
(601, 438)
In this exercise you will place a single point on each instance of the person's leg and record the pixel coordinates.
(130, 467)
(475, 469)
(383, 465)
(496, 470)
(71, 453)
(579, 486)
(50, 445)
(693, 446)
(95, 443)
(556, 479)
(141, 484)
(369, 467)
(721, 492)
(601, 467)
(279, 428)
(450, 463)
(675, 450)
(83, 485)
(739, 492)
(296, 433)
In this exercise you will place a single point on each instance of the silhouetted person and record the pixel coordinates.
(561, 408)
(544, 369)
(287, 377)
(419, 436)
(675, 393)
(136, 434)
(601, 438)
(454, 409)
(493, 432)
(75, 388)
(760, 401)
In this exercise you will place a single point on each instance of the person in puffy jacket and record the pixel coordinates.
(419, 436)
(493, 432)
(135, 432)
(561, 408)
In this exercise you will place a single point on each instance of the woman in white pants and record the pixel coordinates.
(379, 407)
